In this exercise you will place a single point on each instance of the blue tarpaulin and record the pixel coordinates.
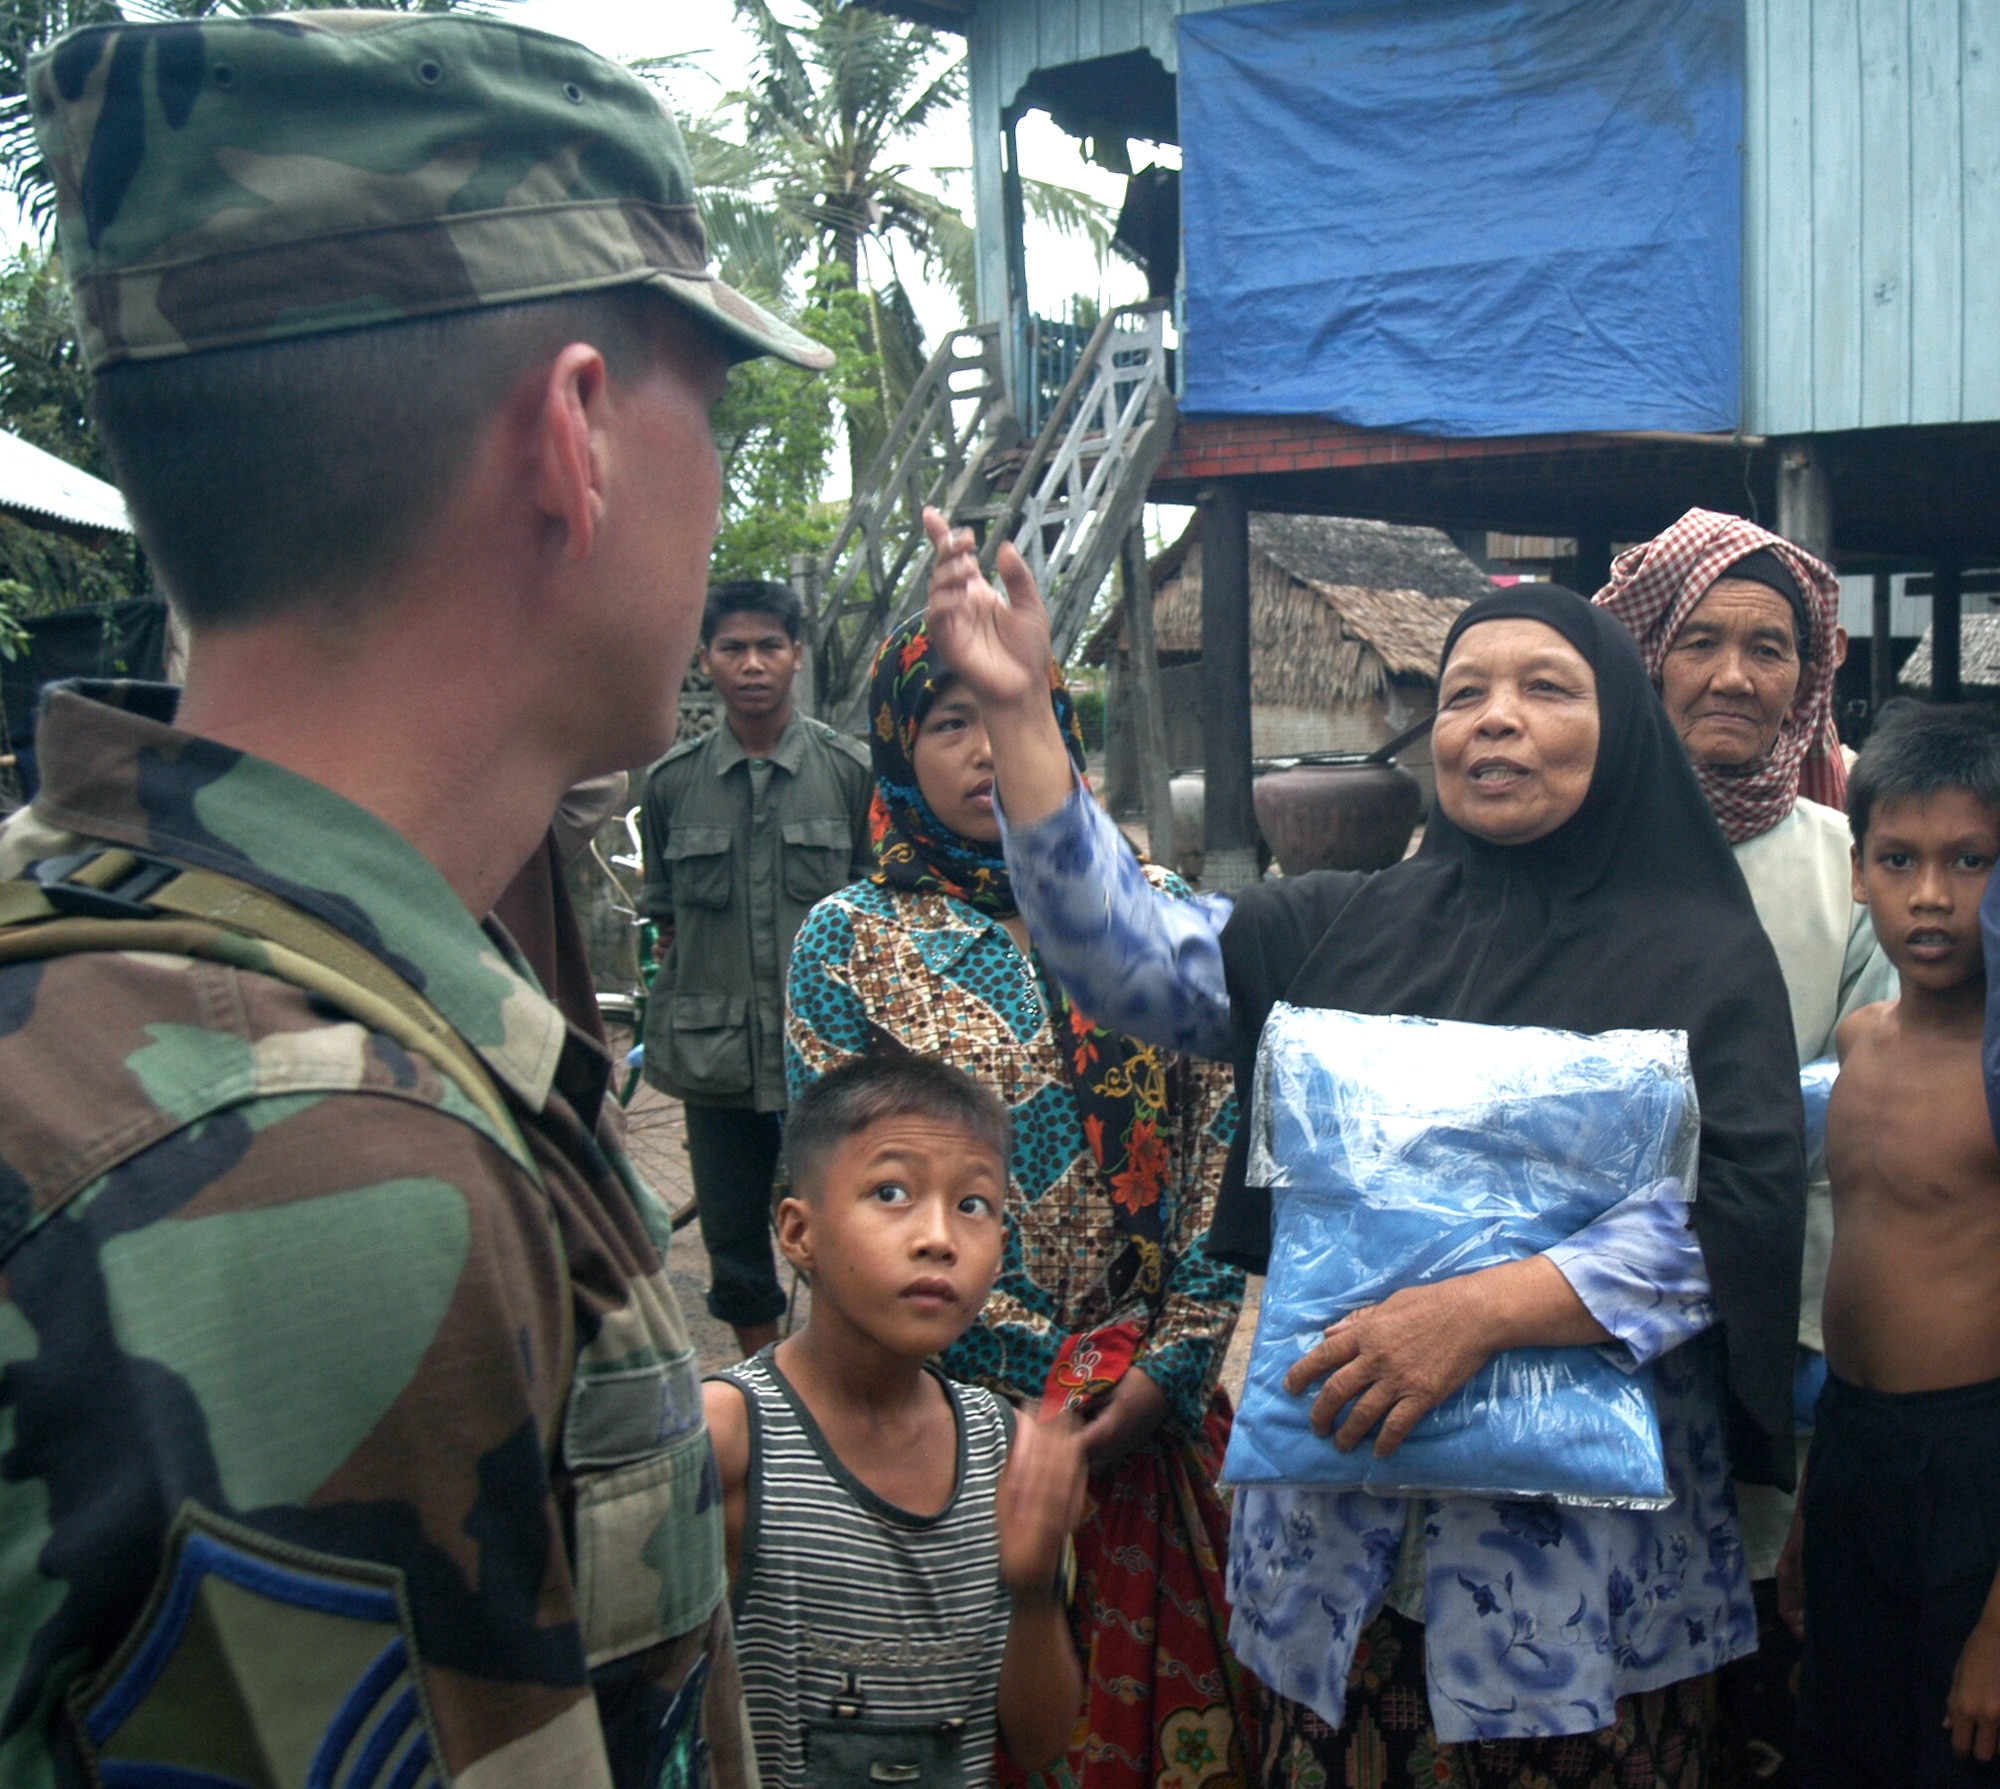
(1465, 217)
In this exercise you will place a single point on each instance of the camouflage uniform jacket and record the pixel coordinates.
(338, 1442)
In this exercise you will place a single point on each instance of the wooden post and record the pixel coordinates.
(1016, 365)
(1946, 585)
(1149, 711)
(1229, 826)
(1593, 562)
(1805, 497)
(805, 581)
(1881, 650)
(1121, 747)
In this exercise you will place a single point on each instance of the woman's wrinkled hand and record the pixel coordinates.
(1396, 1360)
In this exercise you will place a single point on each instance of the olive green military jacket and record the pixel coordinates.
(738, 852)
(338, 1421)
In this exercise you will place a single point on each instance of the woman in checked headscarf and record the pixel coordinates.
(1740, 632)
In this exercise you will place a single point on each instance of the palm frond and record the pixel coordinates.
(946, 90)
(937, 230)
(1071, 213)
(786, 88)
(756, 248)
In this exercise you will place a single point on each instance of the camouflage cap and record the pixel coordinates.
(245, 180)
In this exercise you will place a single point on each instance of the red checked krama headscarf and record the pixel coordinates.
(1657, 585)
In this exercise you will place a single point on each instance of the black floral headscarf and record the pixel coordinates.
(914, 849)
(1124, 1088)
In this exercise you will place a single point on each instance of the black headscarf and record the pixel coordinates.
(1631, 914)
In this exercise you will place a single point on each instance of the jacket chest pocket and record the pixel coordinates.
(647, 1507)
(816, 858)
(700, 859)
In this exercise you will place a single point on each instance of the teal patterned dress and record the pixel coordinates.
(874, 965)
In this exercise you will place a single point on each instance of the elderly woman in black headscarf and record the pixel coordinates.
(1572, 877)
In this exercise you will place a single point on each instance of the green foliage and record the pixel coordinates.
(42, 571)
(776, 429)
(45, 399)
(44, 386)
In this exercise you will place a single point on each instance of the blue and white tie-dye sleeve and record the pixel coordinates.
(1134, 959)
(1145, 963)
(1639, 1271)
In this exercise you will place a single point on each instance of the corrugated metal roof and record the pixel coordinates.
(42, 488)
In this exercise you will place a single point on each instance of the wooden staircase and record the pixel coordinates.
(1067, 500)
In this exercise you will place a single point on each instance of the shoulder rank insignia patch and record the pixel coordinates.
(261, 1666)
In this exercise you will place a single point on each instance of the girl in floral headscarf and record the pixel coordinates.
(1106, 1303)
(1740, 630)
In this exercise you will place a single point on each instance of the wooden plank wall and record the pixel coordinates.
(1010, 39)
(1871, 213)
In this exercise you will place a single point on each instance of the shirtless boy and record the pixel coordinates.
(1898, 1530)
(895, 1589)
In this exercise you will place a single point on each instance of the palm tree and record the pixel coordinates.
(819, 174)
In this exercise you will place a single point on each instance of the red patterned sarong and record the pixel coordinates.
(1167, 1705)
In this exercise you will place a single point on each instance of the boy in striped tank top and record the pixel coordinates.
(894, 1539)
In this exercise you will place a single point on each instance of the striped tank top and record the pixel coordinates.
(870, 1638)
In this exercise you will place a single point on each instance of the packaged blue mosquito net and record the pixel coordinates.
(1816, 1081)
(1402, 1151)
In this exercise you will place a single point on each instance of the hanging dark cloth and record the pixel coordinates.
(1631, 914)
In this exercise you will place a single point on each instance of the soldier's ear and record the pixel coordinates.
(568, 455)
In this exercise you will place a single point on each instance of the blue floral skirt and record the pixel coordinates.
(1660, 1740)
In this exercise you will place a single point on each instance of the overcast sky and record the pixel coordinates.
(721, 52)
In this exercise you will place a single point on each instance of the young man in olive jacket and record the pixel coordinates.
(745, 829)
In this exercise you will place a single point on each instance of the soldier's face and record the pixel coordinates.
(662, 507)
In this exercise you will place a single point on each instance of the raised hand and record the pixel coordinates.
(999, 647)
(1039, 1501)
(997, 644)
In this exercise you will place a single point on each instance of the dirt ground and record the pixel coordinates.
(656, 1134)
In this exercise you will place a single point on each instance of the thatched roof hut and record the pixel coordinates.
(1323, 630)
(1347, 619)
(1978, 658)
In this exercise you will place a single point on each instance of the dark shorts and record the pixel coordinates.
(1902, 1539)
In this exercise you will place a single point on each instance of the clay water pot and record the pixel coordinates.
(1356, 816)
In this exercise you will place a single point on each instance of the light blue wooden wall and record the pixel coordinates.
(1007, 42)
(1871, 213)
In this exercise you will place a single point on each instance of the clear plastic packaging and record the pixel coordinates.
(1404, 1151)
(1816, 1081)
